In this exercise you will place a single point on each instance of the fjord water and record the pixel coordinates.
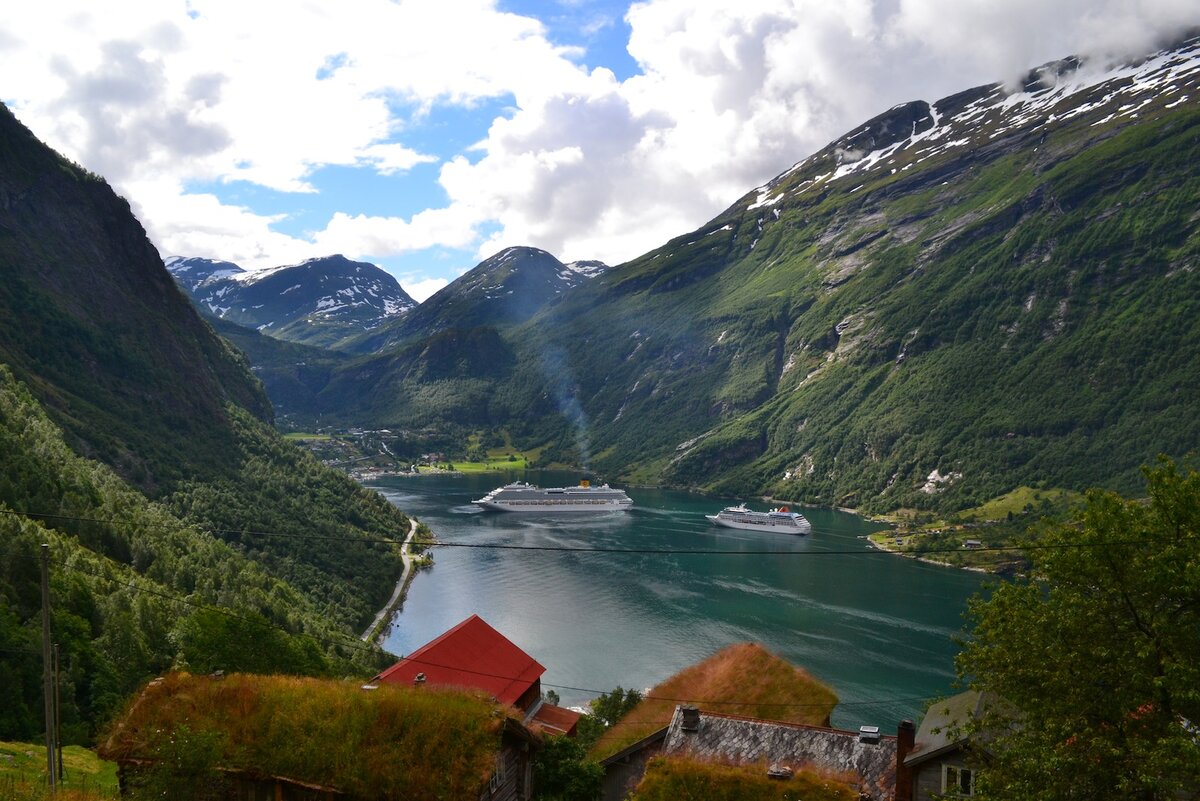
(877, 628)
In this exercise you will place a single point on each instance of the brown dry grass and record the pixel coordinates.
(743, 679)
(392, 742)
(678, 779)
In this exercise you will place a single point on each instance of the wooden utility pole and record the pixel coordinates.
(58, 716)
(47, 670)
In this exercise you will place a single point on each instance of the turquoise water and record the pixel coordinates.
(875, 627)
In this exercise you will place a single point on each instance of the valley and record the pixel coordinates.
(966, 333)
(952, 301)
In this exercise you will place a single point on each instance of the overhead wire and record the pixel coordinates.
(353, 643)
(1030, 546)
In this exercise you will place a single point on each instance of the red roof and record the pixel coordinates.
(472, 654)
(557, 719)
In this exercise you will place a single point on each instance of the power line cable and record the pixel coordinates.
(1033, 546)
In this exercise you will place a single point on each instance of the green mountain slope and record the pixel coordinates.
(502, 290)
(1016, 309)
(952, 300)
(132, 584)
(138, 444)
(93, 323)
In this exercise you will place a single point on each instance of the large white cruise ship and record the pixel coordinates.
(781, 520)
(520, 496)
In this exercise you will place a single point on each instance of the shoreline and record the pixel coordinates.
(384, 616)
(883, 547)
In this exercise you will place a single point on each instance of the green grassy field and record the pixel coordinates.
(23, 772)
(495, 462)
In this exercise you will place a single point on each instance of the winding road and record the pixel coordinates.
(408, 563)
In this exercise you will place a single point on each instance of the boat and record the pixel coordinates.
(521, 496)
(780, 519)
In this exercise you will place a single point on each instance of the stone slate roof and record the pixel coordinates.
(728, 738)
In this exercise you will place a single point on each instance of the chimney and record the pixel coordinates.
(691, 718)
(906, 736)
(419, 680)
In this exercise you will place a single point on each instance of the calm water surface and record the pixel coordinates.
(875, 627)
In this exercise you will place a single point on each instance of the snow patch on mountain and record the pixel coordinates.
(1055, 92)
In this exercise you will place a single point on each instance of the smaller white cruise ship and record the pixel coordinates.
(781, 520)
(520, 496)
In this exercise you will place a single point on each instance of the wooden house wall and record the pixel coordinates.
(622, 776)
(927, 777)
(512, 779)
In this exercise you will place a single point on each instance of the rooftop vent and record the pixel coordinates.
(691, 719)
(868, 734)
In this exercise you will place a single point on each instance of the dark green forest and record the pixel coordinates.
(137, 588)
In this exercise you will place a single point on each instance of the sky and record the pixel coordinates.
(426, 135)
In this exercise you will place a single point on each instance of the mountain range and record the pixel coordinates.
(320, 301)
(951, 300)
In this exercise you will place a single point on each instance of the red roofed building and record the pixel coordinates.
(476, 656)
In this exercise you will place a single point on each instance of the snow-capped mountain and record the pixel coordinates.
(319, 301)
(987, 118)
(190, 273)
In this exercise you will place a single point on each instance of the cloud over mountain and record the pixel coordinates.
(223, 122)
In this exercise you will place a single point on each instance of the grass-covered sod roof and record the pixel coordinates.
(743, 679)
(386, 743)
(679, 779)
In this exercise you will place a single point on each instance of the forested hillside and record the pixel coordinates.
(183, 529)
(135, 587)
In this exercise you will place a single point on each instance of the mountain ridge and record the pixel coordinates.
(320, 301)
(506, 288)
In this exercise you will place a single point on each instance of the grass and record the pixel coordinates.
(1003, 521)
(387, 742)
(493, 463)
(23, 772)
(679, 779)
(1019, 501)
(301, 435)
(743, 679)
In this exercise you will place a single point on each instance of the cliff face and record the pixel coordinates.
(94, 324)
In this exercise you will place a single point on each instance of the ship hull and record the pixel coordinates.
(523, 497)
(798, 528)
(533, 506)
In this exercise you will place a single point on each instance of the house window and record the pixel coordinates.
(498, 776)
(958, 781)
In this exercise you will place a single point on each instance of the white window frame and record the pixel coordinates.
(498, 775)
(953, 786)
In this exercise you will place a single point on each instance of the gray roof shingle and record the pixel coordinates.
(727, 738)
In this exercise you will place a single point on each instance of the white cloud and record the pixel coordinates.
(732, 94)
(158, 95)
(422, 289)
(361, 236)
(188, 224)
